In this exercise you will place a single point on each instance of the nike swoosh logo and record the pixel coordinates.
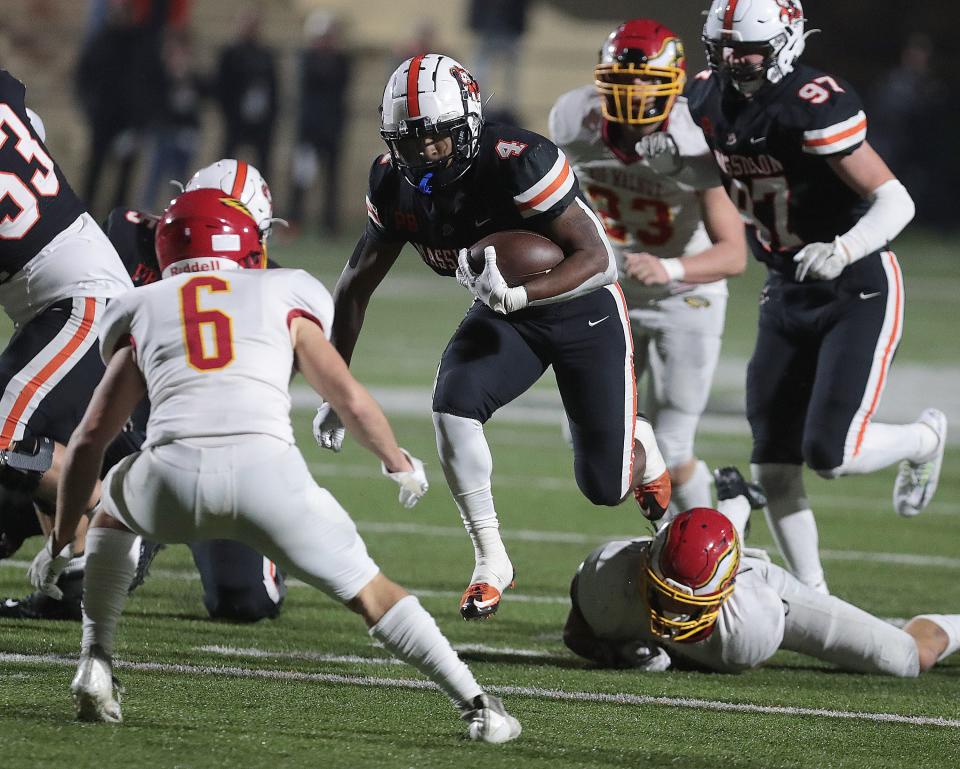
(481, 222)
(865, 295)
(593, 323)
(488, 603)
(757, 139)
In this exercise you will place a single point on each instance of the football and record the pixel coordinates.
(521, 255)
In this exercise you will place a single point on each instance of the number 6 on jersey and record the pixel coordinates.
(205, 330)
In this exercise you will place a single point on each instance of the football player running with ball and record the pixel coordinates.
(675, 232)
(449, 180)
(693, 596)
(790, 140)
(214, 346)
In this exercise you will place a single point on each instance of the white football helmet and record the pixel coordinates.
(771, 28)
(431, 96)
(241, 181)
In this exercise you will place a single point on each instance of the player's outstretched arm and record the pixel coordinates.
(370, 262)
(114, 400)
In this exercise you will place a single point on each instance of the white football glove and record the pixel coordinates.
(822, 261)
(413, 483)
(328, 430)
(466, 277)
(659, 152)
(46, 568)
(491, 289)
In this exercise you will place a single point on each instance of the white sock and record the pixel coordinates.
(409, 632)
(111, 562)
(738, 511)
(696, 491)
(950, 624)
(791, 521)
(884, 445)
(655, 466)
(468, 466)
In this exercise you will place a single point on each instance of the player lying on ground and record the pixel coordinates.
(239, 584)
(692, 596)
(448, 181)
(676, 234)
(214, 346)
(822, 208)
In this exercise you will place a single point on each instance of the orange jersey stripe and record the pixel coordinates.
(61, 357)
(886, 355)
(549, 190)
(838, 136)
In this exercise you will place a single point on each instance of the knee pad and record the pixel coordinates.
(784, 486)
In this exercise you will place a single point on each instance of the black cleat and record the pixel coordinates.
(730, 483)
(39, 605)
(148, 551)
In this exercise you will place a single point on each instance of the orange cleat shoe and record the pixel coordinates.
(481, 600)
(654, 497)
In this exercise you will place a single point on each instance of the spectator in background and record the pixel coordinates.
(907, 118)
(247, 91)
(177, 125)
(499, 26)
(115, 80)
(325, 70)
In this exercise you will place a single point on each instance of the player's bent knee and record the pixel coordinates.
(599, 491)
(376, 598)
(823, 458)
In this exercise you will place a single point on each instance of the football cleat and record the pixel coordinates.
(96, 693)
(917, 481)
(481, 600)
(39, 605)
(488, 720)
(654, 497)
(731, 483)
(148, 551)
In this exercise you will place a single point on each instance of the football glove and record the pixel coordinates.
(413, 483)
(328, 430)
(491, 289)
(466, 277)
(641, 656)
(659, 152)
(46, 568)
(821, 261)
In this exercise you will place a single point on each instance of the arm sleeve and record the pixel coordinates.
(379, 217)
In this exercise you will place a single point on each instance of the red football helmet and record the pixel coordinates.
(690, 572)
(641, 71)
(203, 230)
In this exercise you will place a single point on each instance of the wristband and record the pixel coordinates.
(675, 269)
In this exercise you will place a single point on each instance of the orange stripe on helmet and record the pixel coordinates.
(239, 180)
(413, 93)
(728, 14)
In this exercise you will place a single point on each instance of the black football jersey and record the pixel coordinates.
(772, 152)
(518, 181)
(36, 203)
(131, 233)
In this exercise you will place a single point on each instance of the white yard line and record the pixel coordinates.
(231, 651)
(689, 703)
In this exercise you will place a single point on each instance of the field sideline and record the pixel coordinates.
(312, 689)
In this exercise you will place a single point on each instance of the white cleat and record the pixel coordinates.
(487, 720)
(96, 695)
(917, 481)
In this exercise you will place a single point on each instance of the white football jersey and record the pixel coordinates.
(641, 209)
(748, 631)
(215, 349)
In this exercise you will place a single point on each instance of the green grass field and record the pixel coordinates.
(311, 689)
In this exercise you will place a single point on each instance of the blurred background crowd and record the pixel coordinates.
(135, 93)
